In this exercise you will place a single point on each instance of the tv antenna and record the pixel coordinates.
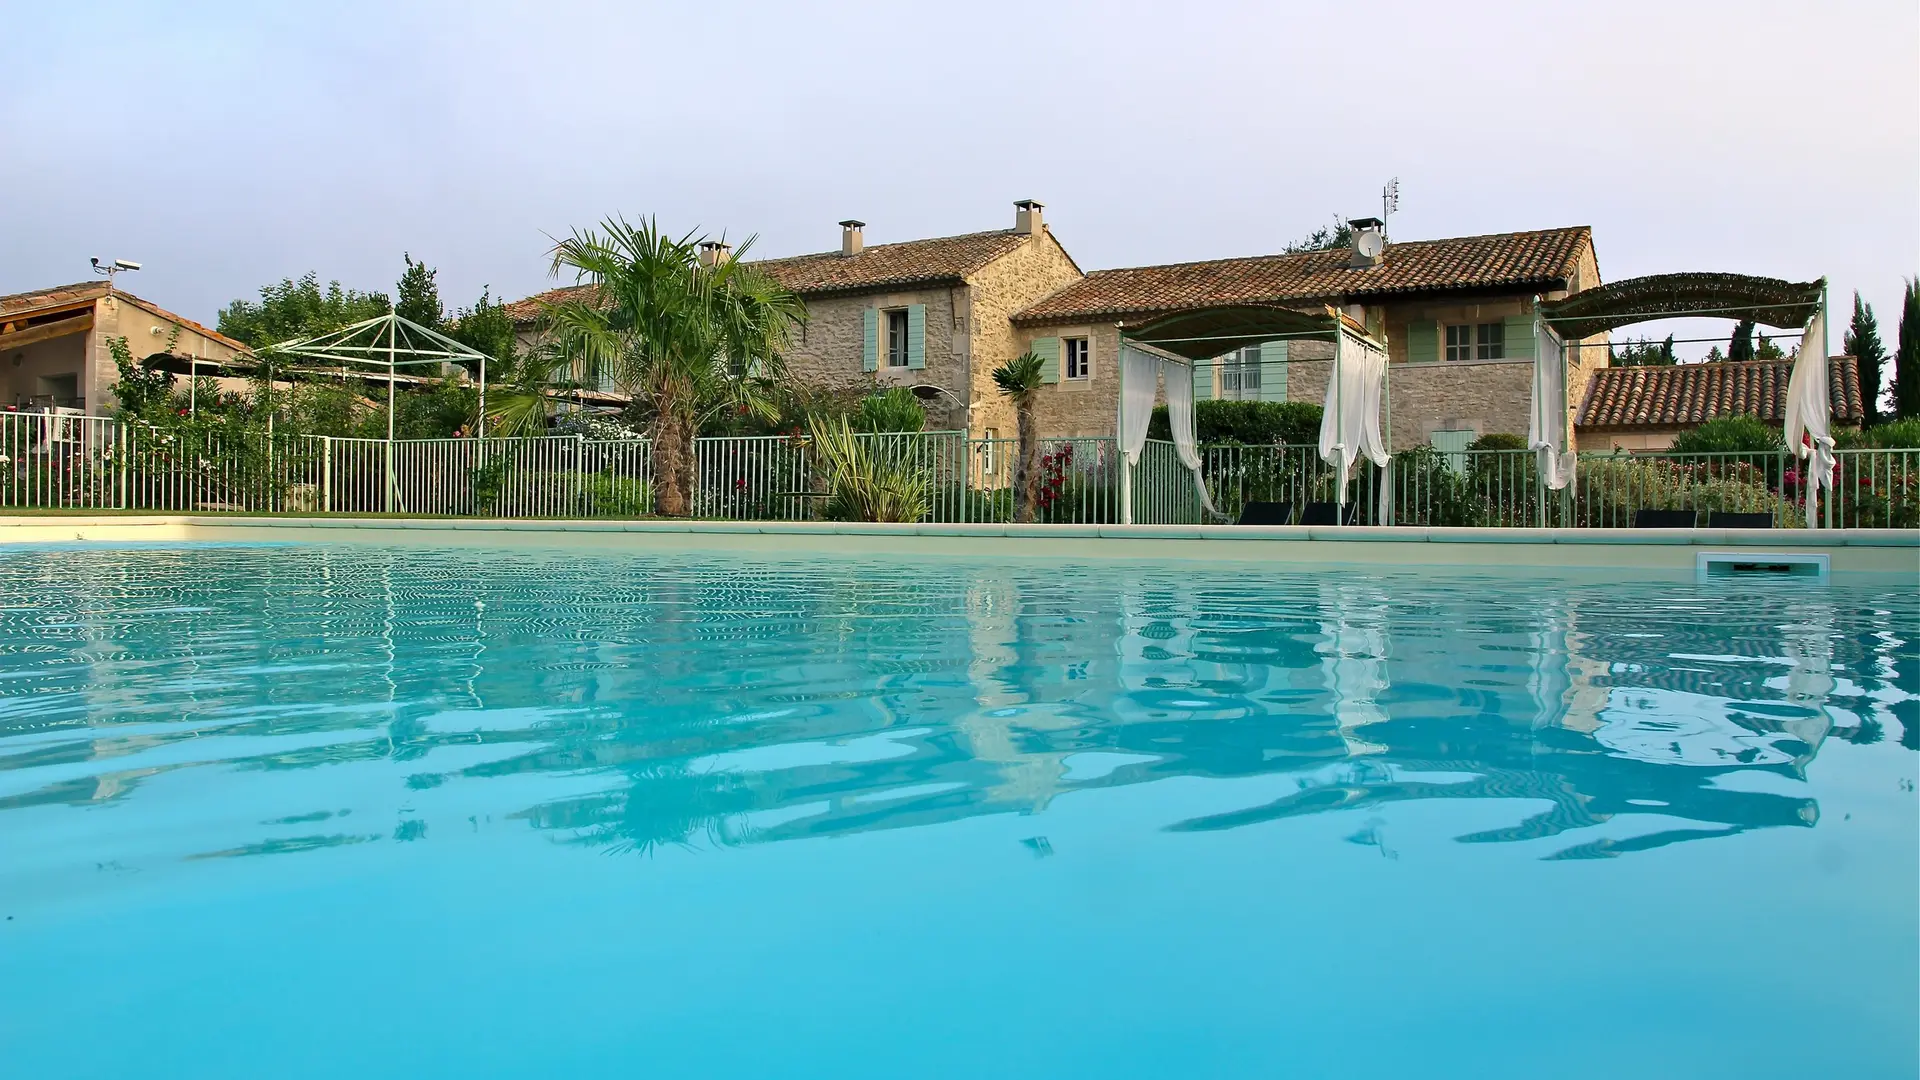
(110, 267)
(1389, 201)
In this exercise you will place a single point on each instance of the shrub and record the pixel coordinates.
(612, 495)
(867, 482)
(1608, 490)
(1730, 434)
(1892, 435)
(1426, 490)
(891, 410)
(1256, 423)
(1499, 440)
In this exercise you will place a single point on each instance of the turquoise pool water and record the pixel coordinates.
(366, 813)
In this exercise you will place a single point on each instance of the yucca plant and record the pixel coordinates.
(865, 483)
(1020, 379)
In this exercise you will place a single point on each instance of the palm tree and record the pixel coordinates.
(1020, 379)
(689, 341)
(520, 397)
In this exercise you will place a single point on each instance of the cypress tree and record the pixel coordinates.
(1863, 344)
(1741, 347)
(1906, 361)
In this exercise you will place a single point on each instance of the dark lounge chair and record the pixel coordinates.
(1266, 513)
(1665, 519)
(1731, 519)
(1326, 513)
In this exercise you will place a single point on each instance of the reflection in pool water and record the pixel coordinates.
(163, 712)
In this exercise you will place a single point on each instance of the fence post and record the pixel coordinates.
(326, 474)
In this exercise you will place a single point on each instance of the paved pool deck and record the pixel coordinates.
(1872, 550)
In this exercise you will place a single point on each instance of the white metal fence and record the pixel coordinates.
(61, 462)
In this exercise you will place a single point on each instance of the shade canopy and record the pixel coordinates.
(1784, 305)
(389, 340)
(1204, 333)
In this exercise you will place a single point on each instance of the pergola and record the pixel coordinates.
(1784, 305)
(1357, 421)
(391, 341)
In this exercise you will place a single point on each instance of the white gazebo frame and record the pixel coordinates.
(394, 341)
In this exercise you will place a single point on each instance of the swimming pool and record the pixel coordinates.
(325, 811)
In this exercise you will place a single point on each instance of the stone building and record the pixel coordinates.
(54, 352)
(941, 314)
(1456, 315)
(931, 314)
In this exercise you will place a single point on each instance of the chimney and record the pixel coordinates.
(714, 252)
(1369, 242)
(850, 242)
(1026, 217)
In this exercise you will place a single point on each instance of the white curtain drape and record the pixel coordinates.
(1546, 418)
(1179, 378)
(1350, 420)
(1809, 411)
(1139, 374)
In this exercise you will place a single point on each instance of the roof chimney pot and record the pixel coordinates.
(850, 239)
(1026, 217)
(714, 252)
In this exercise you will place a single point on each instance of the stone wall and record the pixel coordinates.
(146, 333)
(830, 351)
(1002, 289)
(1484, 397)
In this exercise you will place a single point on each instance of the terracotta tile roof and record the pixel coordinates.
(59, 296)
(879, 266)
(1681, 395)
(1532, 260)
(25, 304)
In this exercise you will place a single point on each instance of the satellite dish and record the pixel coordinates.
(1369, 244)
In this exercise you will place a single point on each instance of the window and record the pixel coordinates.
(1485, 341)
(1079, 358)
(1240, 374)
(897, 338)
(986, 450)
(1493, 341)
(1459, 342)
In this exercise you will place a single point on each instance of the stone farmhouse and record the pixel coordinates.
(941, 314)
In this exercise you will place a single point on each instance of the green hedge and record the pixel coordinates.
(1256, 423)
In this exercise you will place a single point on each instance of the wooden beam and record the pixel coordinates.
(47, 331)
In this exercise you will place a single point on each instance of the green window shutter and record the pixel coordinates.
(1048, 350)
(917, 337)
(1273, 371)
(870, 350)
(1202, 381)
(1423, 342)
(1519, 340)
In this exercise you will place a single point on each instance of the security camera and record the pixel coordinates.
(126, 264)
(95, 262)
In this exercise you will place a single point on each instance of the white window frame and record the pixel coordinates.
(1078, 358)
(987, 451)
(1239, 377)
(896, 344)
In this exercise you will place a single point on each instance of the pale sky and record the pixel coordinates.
(225, 145)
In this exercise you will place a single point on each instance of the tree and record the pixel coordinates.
(1020, 380)
(1904, 399)
(1644, 352)
(687, 341)
(297, 309)
(1337, 235)
(1741, 347)
(419, 295)
(520, 391)
(485, 327)
(1767, 348)
(1862, 342)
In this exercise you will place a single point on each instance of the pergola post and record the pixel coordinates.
(1120, 428)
